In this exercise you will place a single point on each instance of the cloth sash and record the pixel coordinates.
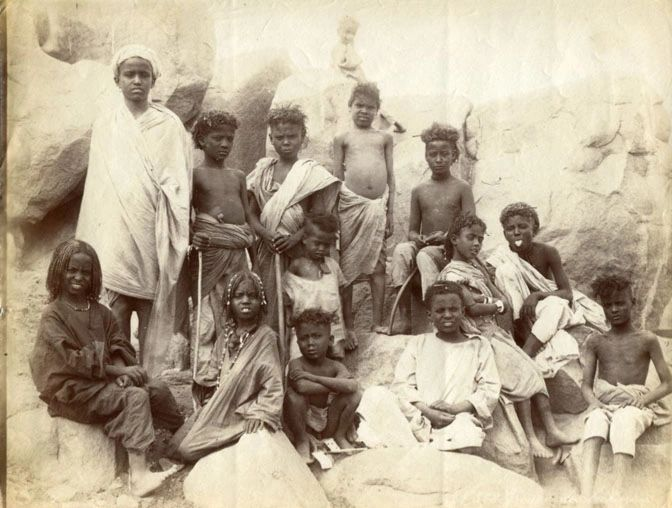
(610, 394)
(362, 232)
(135, 213)
(528, 276)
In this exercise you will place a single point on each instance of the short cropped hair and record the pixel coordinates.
(348, 22)
(463, 220)
(369, 90)
(314, 317)
(325, 222)
(441, 132)
(605, 286)
(523, 210)
(212, 121)
(443, 287)
(60, 260)
(287, 113)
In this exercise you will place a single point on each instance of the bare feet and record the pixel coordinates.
(303, 447)
(539, 450)
(343, 443)
(145, 483)
(351, 340)
(557, 438)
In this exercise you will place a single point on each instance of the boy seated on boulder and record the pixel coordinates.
(322, 395)
(85, 368)
(446, 383)
(434, 205)
(534, 281)
(622, 407)
(363, 160)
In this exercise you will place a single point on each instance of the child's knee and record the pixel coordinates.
(597, 425)
(136, 396)
(295, 399)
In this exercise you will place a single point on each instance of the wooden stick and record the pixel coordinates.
(284, 349)
(199, 289)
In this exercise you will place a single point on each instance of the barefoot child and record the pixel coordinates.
(622, 407)
(542, 307)
(244, 372)
(221, 229)
(281, 191)
(85, 368)
(322, 396)
(363, 160)
(485, 305)
(315, 280)
(446, 382)
(434, 205)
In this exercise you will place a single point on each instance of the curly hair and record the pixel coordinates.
(325, 222)
(442, 288)
(441, 132)
(287, 113)
(235, 281)
(368, 90)
(58, 266)
(463, 220)
(605, 286)
(314, 317)
(211, 121)
(523, 210)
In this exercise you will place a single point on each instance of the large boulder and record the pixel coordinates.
(263, 470)
(424, 477)
(56, 451)
(59, 79)
(244, 84)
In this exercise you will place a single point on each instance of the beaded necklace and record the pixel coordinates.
(226, 354)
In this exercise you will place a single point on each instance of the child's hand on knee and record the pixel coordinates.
(528, 309)
(123, 381)
(137, 374)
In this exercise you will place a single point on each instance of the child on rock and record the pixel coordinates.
(622, 407)
(86, 370)
(322, 395)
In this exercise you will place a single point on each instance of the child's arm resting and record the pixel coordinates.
(662, 369)
(339, 157)
(589, 361)
(391, 185)
(484, 399)
(82, 361)
(415, 219)
(252, 213)
(298, 380)
(564, 287)
(342, 383)
(467, 200)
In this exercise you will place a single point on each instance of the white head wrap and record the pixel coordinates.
(135, 50)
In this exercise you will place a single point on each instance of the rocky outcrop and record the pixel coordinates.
(424, 477)
(57, 451)
(263, 470)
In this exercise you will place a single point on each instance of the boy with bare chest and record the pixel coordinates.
(363, 160)
(623, 408)
(221, 229)
(434, 205)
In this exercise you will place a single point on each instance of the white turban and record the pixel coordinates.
(135, 50)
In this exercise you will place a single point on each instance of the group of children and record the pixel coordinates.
(274, 336)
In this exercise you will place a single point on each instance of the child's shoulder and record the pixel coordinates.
(546, 250)
(296, 264)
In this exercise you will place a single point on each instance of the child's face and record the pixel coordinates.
(469, 242)
(363, 111)
(618, 307)
(135, 79)
(440, 155)
(286, 138)
(245, 302)
(217, 144)
(313, 340)
(78, 275)
(347, 34)
(519, 232)
(445, 312)
(317, 243)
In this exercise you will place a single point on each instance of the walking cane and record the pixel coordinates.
(197, 344)
(284, 350)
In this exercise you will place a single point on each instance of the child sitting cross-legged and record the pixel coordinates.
(322, 395)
